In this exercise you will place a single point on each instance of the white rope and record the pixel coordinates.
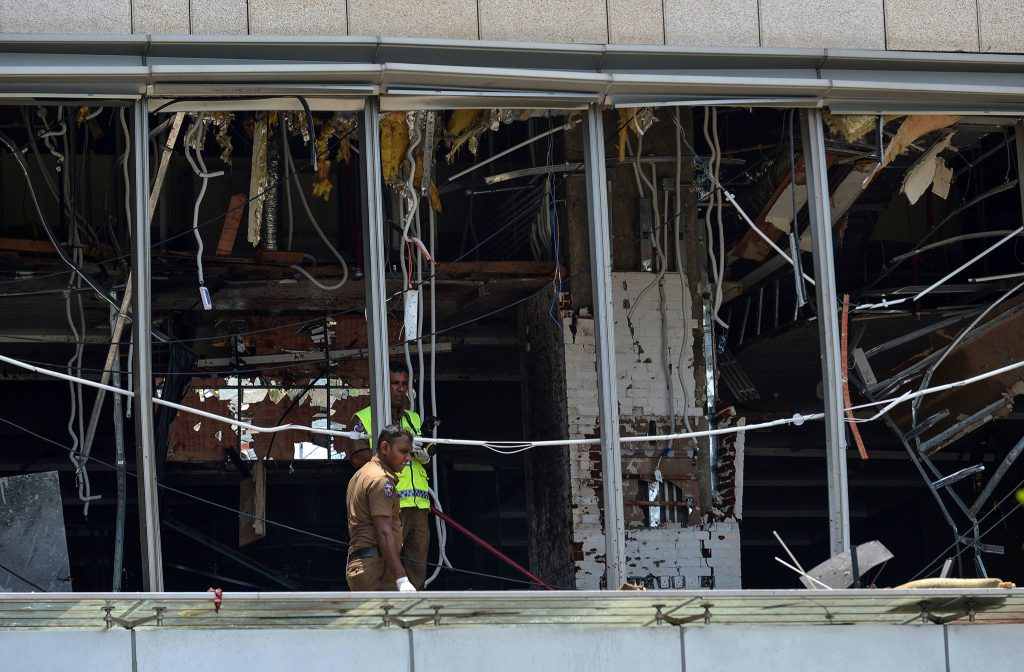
(513, 447)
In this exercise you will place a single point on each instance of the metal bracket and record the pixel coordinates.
(109, 620)
(860, 363)
(927, 616)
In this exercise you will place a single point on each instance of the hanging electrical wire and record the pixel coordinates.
(316, 226)
(195, 139)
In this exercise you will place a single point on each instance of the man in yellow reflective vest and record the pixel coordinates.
(413, 484)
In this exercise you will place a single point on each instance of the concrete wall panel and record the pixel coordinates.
(636, 22)
(297, 17)
(836, 24)
(219, 17)
(836, 648)
(985, 648)
(547, 648)
(713, 23)
(448, 19)
(61, 649)
(217, 650)
(1002, 24)
(574, 21)
(932, 25)
(160, 17)
(66, 16)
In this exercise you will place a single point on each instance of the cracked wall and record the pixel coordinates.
(700, 548)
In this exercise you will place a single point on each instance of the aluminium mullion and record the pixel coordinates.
(604, 331)
(375, 262)
(819, 209)
(142, 369)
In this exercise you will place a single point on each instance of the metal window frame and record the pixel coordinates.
(414, 73)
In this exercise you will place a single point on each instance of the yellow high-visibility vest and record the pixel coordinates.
(413, 484)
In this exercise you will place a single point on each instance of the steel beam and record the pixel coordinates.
(142, 368)
(604, 332)
(828, 328)
(375, 263)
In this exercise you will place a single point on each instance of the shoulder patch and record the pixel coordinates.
(389, 489)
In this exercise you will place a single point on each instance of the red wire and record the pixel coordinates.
(501, 556)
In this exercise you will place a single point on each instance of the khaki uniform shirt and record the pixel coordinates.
(372, 492)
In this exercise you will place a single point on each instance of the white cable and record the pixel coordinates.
(512, 447)
(718, 214)
(439, 524)
(927, 378)
(312, 220)
(124, 170)
(201, 172)
(641, 180)
(709, 212)
(746, 218)
(78, 458)
(890, 403)
(684, 346)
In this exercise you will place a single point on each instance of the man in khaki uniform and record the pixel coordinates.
(374, 518)
(413, 483)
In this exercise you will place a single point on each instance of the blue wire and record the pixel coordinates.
(555, 248)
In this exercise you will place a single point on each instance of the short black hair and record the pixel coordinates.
(390, 433)
(398, 367)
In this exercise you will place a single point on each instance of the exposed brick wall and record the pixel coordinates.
(703, 551)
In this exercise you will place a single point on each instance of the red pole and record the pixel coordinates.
(501, 556)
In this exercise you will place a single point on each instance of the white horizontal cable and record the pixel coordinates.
(888, 404)
(513, 447)
(180, 407)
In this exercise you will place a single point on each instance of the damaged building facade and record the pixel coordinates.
(674, 280)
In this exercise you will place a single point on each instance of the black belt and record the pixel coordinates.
(363, 553)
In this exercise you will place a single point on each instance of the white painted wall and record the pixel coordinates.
(672, 553)
(927, 25)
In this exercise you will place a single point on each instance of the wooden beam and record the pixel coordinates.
(228, 233)
(492, 268)
(26, 246)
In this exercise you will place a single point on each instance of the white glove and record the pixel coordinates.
(405, 585)
(421, 455)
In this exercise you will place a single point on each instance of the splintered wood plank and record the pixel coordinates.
(228, 233)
